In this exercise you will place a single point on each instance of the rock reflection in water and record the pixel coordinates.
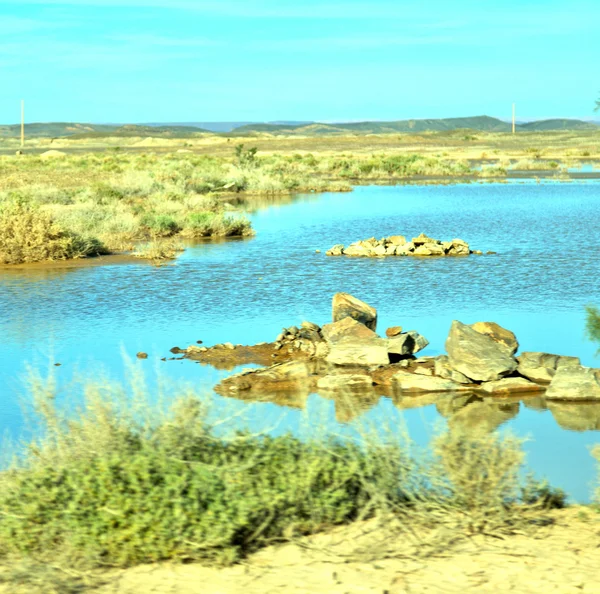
(581, 416)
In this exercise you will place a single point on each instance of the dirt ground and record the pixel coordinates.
(561, 558)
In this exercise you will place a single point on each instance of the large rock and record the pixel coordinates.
(406, 344)
(541, 367)
(429, 249)
(357, 250)
(397, 239)
(477, 356)
(501, 335)
(410, 382)
(444, 370)
(336, 250)
(509, 386)
(574, 383)
(347, 328)
(420, 341)
(457, 247)
(345, 305)
(422, 239)
(352, 350)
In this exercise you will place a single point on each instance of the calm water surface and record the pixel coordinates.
(91, 319)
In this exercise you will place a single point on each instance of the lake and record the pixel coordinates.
(91, 319)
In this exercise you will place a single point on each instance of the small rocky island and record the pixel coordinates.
(348, 356)
(397, 245)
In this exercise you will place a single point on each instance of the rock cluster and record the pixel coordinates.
(397, 245)
(347, 355)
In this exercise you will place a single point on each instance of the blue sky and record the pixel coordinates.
(191, 60)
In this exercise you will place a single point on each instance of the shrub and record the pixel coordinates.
(158, 250)
(206, 224)
(160, 225)
(28, 234)
(116, 489)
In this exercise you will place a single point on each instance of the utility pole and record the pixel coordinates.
(514, 129)
(22, 123)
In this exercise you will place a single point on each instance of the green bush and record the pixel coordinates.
(112, 490)
(207, 224)
(160, 225)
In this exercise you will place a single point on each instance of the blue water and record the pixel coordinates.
(93, 319)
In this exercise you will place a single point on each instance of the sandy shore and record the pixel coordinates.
(561, 558)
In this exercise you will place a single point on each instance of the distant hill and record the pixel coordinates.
(478, 123)
(186, 130)
(64, 129)
(558, 124)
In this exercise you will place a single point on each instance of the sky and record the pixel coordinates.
(264, 60)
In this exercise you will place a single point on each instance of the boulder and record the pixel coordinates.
(379, 250)
(341, 382)
(397, 240)
(357, 250)
(422, 239)
(420, 341)
(442, 369)
(407, 343)
(574, 382)
(477, 356)
(501, 335)
(336, 250)
(403, 345)
(458, 247)
(541, 367)
(345, 305)
(509, 386)
(429, 249)
(410, 382)
(347, 328)
(406, 249)
(393, 331)
(350, 351)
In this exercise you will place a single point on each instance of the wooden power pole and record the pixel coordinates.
(22, 123)
(514, 127)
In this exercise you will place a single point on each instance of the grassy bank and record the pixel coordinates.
(87, 203)
(119, 483)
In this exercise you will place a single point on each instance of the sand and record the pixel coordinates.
(561, 558)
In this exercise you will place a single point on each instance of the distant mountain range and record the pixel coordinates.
(183, 130)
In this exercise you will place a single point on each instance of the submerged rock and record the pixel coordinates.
(478, 356)
(345, 305)
(574, 382)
